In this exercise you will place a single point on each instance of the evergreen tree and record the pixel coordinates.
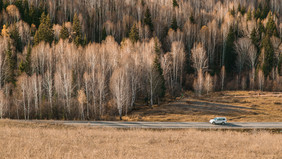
(232, 12)
(11, 58)
(255, 38)
(192, 19)
(84, 42)
(239, 8)
(174, 25)
(26, 14)
(243, 10)
(271, 29)
(280, 65)
(148, 19)
(175, 3)
(269, 60)
(15, 36)
(19, 5)
(230, 54)
(104, 34)
(249, 15)
(27, 65)
(160, 89)
(143, 3)
(134, 34)
(64, 33)
(77, 34)
(261, 29)
(45, 31)
(257, 14)
(22, 66)
(1, 5)
(265, 10)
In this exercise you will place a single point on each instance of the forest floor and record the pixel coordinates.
(45, 140)
(237, 106)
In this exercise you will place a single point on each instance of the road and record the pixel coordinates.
(168, 125)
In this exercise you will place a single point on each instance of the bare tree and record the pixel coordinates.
(252, 57)
(86, 78)
(178, 60)
(81, 100)
(199, 82)
(242, 47)
(120, 88)
(2, 104)
(222, 77)
(2, 60)
(91, 58)
(260, 80)
(22, 81)
(208, 84)
(199, 57)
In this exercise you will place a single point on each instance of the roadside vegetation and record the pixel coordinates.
(22, 140)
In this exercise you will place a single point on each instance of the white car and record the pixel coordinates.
(218, 120)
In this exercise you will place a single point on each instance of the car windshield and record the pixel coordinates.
(215, 118)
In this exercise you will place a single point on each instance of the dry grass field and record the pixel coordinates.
(21, 140)
(237, 106)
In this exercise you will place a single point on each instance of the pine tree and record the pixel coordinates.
(148, 19)
(84, 42)
(19, 5)
(104, 34)
(257, 14)
(271, 28)
(230, 54)
(22, 66)
(249, 15)
(45, 31)
(160, 91)
(15, 36)
(261, 29)
(269, 60)
(280, 65)
(1, 5)
(11, 58)
(77, 35)
(255, 38)
(26, 16)
(239, 8)
(134, 34)
(27, 65)
(175, 3)
(243, 10)
(265, 10)
(174, 25)
(64, 33)
(232, 12)
(192, 19)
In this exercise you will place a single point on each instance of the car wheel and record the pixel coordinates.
(213, 123)
(222, 123)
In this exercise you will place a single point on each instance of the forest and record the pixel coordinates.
(89, 59)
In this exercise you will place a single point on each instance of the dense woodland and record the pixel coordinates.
(88, 59)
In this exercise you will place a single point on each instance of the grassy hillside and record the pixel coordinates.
(239, 106)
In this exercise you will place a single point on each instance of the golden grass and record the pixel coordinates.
(21, 140)
(237, 106)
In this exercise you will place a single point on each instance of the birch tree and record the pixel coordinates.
(119, 88)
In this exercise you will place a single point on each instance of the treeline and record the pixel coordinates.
(81, 59)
